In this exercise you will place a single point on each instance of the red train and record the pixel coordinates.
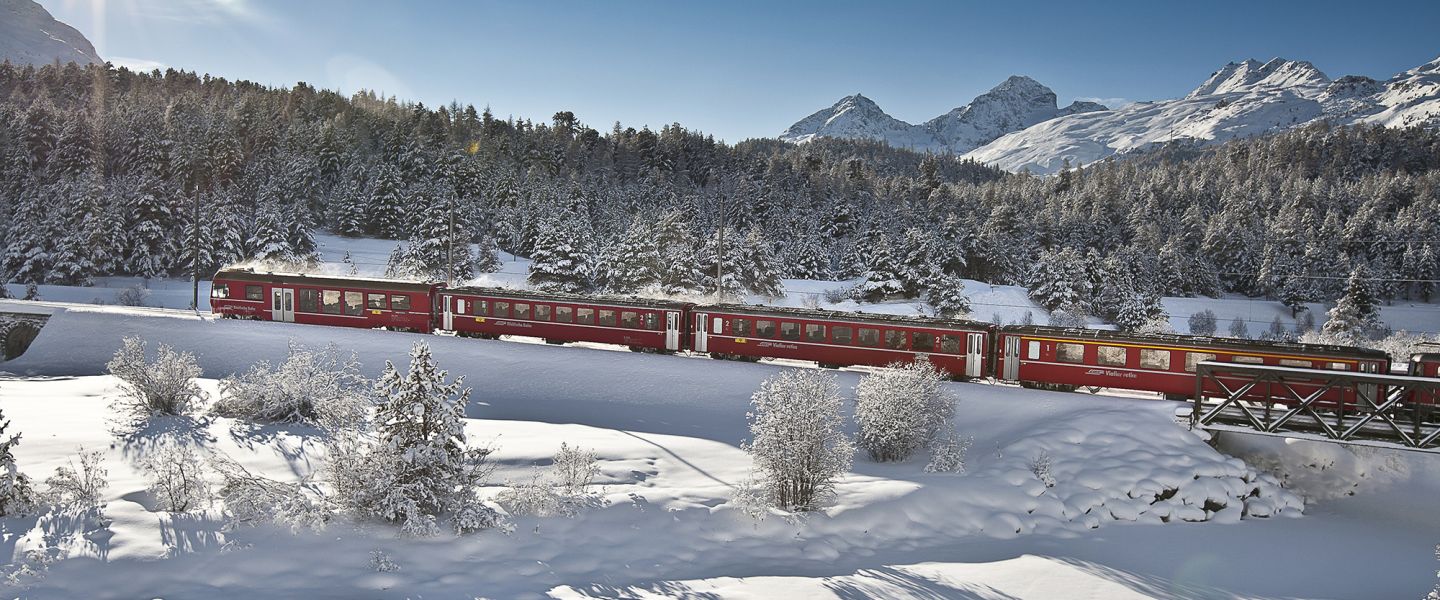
(1029, 355)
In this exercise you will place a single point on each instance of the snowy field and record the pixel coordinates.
(667, 430)
(1005, 303)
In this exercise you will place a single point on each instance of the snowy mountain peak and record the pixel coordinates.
(1014, 104)
(1251, 75)
(30, 36)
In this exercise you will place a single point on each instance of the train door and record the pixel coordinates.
(974, 354)
(1369, 390)
(447, 316)
(672, 330)
(702, 339)
(282, 305)
(1012, 358)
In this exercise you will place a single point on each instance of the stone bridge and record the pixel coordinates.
(17, 330)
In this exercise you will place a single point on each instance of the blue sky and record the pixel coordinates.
(743, 68)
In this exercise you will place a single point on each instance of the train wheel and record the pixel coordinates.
(554, 342)
(825, 365)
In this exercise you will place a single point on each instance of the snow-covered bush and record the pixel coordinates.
(78, 485)
(251, 499)
(32, 291)
(1435, 593)
(16, 495)
(561, 491)
(1040, 465)
(319, 387)
(165, 386)
(1203, 323)
(134, 295)
(380, 562)
(947, 453)
(798, 442)
(1239, 330)
(1068, 316)
(421, 468)
(901, 410)
(176, 477)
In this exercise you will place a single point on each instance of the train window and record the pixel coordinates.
(254, 292)
(1194, 358)
(522, 310)
(921, 341)
(1248, 360)
(1151, 358)
(1291, 362)
(628, 318)
(607, 318)
(375, 301)
(1032, 350)
(789, 331)
(1112, 356)
(330, 302)
(765, 329)
(309, 301)
(585, 316)
(841, 334)
(814, 332)
(220, 290)
(480, 307)
(399, 302)
(741, 327)
(950, 344)
(1070, 353)
(869, 337)
(894, 340)
(1339, 366)
(354, 303)
(652, 321)
(564, 314)
(502, 310)
(542, 312)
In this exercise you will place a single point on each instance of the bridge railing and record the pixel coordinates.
(1341, 405)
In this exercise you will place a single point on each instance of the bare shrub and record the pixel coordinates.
(1040, 466)
(165, 386)
(318, 387)
(79, 485)
(560, 491)
(176, 478)
(947, 453)
(798, 443)
(135, 295)
(251, 499)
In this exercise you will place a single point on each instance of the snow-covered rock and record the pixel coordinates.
(1017, 103)
(30, 36)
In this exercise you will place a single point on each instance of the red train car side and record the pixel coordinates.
(840, 339)
(319, 300)
(641, 324)
(1156, 363)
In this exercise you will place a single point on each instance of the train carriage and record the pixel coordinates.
(835, 339)
(323, 300)
(1166, 364)
(641, 324)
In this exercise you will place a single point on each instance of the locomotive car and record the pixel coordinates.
(641, 324)
(1426, 364)
(1048, 356)
(320, 300)
(835, 339)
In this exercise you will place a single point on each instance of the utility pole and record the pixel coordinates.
(195, 254)
(450, 248)
(720, 250)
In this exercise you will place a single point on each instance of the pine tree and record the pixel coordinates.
(16, 495)
(1238, 329)
(759, 269)
(635, 264)
(1355, 317)
(386, 205)
(729, 258)
(947, 296)
(1058, 279)
(951, 249)
(561, 260)
(880, 279)
(808, 260)
(917, 266)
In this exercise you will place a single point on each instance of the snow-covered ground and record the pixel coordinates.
(667, 430)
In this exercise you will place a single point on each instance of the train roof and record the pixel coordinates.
(249, 274)
(1196, 340)
(822, 314)
(636, 301)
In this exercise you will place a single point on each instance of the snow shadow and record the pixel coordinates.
(186, 533)
(292, 442)
(912, 585)
(139, 437)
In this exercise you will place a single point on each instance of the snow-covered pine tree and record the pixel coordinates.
(951, 247)
(1139, 310)
(635, 264)
(386, 205)
(1058, 279)
(760, 270)
(808, 260)
(439, 250)
(1355, 317)
(730, 287)
(561, 259)
(881, 280)
(916, 266)
(680, 265)
(16, 493)
(1202, 323)
(947, 296)
(487, 256)
(1238, 329)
